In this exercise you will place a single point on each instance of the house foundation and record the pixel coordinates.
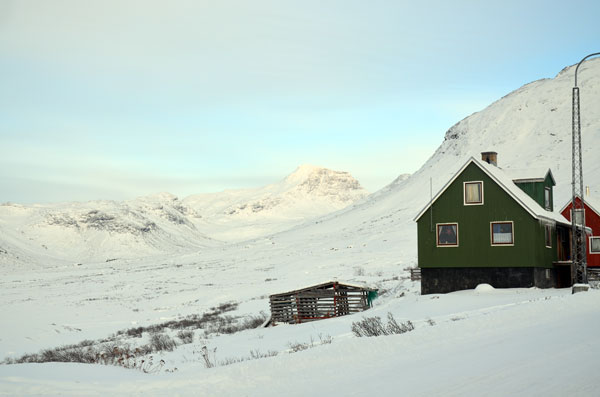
(444, 280)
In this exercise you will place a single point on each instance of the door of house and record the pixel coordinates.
(563, 275)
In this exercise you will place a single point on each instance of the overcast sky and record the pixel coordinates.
(118, 99)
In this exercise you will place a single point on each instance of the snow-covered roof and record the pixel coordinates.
(506, 183)
(529, 174)
(591, 202)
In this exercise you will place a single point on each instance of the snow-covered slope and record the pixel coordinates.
(97, 231)
(309, 192)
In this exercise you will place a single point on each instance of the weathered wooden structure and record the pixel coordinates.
(318, 302)
(415, 273)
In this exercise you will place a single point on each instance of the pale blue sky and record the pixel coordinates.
(117, 99)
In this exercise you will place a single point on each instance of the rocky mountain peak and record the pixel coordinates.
(319, 181)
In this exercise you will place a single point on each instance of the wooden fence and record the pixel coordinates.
(415, 274)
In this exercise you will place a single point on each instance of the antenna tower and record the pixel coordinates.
(578, 230)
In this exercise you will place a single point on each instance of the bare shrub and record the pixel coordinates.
(111, 349)
(231, 360)
(255, 321)
(107, 354)
(225, 307)
(298, 347)
(186, 337)
(325, 339)
(373, 326)
(126, 358)
(369, 326)
(394, 328)
(254, 355)
(231, 325)
(160, 342)
(213, 319)
(135, 332)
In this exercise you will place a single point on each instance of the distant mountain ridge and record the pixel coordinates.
(336, 189)
(307, 193)
(164, 224)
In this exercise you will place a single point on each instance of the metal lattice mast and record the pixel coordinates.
(578, 231)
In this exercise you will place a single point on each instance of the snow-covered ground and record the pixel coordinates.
(495, 342)
(498, 342)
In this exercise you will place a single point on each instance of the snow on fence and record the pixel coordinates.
(318, 302)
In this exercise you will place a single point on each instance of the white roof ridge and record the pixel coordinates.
(504, 181)
(443, 189)
(588, 202)
(532, 206)
(537, 174)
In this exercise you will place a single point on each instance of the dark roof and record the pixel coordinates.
(327, 285)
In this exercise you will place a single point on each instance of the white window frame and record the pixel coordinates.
(547, 235)
(437, 235)
(465, 192)
(590, 245)
(502, 244)
(548, 205)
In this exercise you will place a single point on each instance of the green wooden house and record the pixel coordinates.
(489, 225)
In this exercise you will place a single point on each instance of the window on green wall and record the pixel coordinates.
(594, 245)
(502, 233)
(548, 235)
(473, 193)
(447, 234)
(547, 199)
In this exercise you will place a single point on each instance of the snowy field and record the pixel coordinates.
(492, 342)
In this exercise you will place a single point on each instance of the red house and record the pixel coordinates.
(592, 222)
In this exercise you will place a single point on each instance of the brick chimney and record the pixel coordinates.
(490, 158)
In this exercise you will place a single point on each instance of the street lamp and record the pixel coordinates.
(578, 231)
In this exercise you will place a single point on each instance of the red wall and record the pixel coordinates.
(592, 220)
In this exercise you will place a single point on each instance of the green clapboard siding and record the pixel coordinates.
(474, 233)
(535, 190)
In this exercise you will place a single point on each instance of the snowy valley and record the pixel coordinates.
(85, 271)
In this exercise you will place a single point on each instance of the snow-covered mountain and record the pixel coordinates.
(162, 224)
(307, 193)
(97, 230)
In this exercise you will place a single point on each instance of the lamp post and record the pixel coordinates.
(578, 231)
